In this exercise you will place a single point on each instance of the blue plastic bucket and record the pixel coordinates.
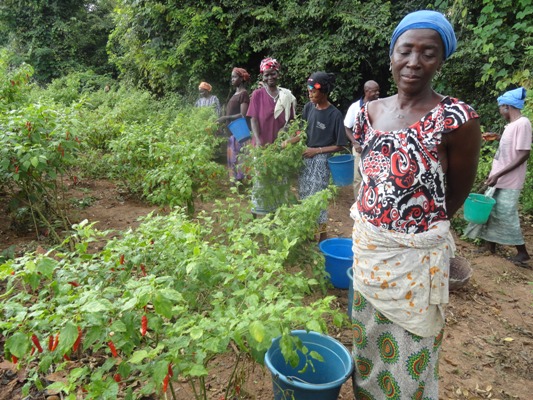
(341, 168)
(239, 129)
(323, 382)
(339, 257)
(350, 291)
(477, 208)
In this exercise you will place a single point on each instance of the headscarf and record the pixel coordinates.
(426, 19)
(205, 85)
(322, 81)
(242, 73)
(515, 98)
(269, 63)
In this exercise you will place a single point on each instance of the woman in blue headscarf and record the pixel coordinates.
(419, 158)
(507, 177)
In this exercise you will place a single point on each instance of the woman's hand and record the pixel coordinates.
(310, 152)
(489, 136)
(492, 180)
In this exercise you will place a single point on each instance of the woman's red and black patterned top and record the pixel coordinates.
(404, 184)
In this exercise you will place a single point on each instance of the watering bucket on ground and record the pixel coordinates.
(349, 272)
(339, 257)
(341, 168)
(239, 129)
(477, 208)
(322, 381)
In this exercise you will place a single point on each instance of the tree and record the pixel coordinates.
(58, 36)
(171, 47)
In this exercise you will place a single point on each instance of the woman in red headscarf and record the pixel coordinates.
(271, 108)
(236, 108)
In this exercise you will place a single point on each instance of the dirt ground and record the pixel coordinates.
(488, 346)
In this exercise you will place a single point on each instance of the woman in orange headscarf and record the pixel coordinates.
(206, 98)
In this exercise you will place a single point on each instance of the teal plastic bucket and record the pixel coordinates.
(477, 208)
(339, 257)
(350, 291)
(323, 382)
(239, 129)
(341, 168)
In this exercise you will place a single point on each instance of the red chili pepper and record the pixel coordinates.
(32, 351)
(237, 390)
(36, 342)
(112, 348)
(116, 377)
(165, 383)
(16, 169)
(78, 340)
(50, 342)
(14, 359)
(170, 373)
(121, 259)
(56, 342)
(143, 269)
(66, 357)
(74, 283)
(144, 325)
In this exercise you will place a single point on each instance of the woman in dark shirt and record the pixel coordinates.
(236, 108)
(325, 135)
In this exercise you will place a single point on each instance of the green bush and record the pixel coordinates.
(197, 291)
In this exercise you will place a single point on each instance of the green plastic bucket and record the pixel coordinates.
(477, 208)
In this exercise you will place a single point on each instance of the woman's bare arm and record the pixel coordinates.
(461, 158)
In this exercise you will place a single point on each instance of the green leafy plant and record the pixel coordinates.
(170, 165)
(38, 145)
(161, 301)
(273, 168)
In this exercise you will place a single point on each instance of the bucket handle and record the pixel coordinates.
(295, 378)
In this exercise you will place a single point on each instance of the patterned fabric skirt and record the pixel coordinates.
(503, 226)
(267, 197)
(390, 362)
(314, 177)
(234, 167)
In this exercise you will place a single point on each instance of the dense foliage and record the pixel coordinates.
(58, 36)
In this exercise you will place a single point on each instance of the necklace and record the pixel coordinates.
(273, 97)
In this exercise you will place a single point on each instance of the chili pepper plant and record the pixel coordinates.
(38, 146)
(158, 303)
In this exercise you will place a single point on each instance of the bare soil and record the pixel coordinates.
(488, 346)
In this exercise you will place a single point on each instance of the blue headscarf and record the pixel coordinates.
(426, 19)
(513, 98)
